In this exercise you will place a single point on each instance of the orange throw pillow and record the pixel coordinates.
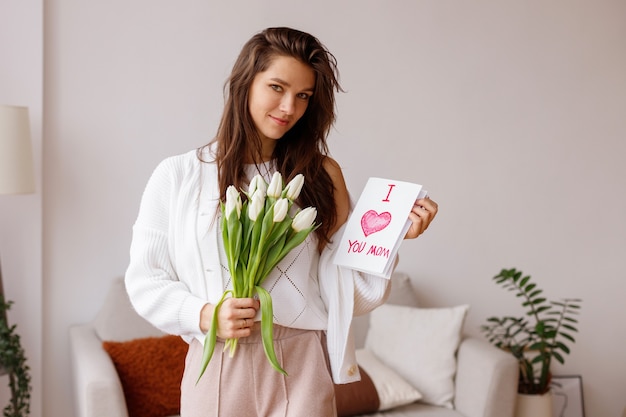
(150, 370)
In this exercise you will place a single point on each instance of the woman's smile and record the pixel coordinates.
(281, 122)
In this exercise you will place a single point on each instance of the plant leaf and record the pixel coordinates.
(567, 326)
(542, 309)
(267, 327)
(211, 338)
(524, 281)
(558, 357)
(559, 345)
(567, 336)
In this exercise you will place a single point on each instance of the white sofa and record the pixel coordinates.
(485, 381)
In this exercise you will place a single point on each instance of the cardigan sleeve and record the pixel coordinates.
(346, 293)
(370, 290)
(151, 280)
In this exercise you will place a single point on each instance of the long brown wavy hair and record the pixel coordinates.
(303, 149)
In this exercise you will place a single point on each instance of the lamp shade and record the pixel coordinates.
(16, 154)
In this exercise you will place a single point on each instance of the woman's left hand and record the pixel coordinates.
(422, 214)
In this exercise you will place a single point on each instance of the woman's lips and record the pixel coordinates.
(281, 122)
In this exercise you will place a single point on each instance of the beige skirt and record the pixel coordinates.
(246, 385)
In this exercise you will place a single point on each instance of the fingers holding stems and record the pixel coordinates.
(235, 317)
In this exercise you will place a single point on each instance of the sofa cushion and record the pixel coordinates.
(150, 370)
(420, 344)
(379, 389)
(419, 409)
(117, 319)
(401, 293)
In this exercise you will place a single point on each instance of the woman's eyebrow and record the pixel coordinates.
(286, 84)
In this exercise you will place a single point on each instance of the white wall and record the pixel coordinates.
(511, 113)
(21, 76)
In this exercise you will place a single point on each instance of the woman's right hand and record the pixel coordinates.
(235, 317)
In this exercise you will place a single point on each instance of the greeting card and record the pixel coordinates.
(377, 225)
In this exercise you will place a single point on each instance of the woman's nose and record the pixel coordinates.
(287, 104)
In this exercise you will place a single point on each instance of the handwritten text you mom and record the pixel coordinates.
(357, 246)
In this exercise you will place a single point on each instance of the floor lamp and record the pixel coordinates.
(16, 159)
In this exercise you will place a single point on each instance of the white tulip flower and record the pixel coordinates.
(304, 219)
(295, 187)
(275, 188)
(233, 201)
(257, 183)
(257, 203)
(280, 209)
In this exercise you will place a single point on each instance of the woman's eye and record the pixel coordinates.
(276, 87)
(304, 96)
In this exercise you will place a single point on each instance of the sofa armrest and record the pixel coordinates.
(486, 380)
(97, 388)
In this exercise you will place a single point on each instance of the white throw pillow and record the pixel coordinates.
(420, 345)
(402, 293)
(393, 390)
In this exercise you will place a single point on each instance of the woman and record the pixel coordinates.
(279, 110)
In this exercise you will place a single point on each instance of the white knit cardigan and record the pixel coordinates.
(175, 269)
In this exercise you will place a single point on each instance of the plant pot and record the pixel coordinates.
(534, 405)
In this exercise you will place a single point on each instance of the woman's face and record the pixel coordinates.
(279, 97)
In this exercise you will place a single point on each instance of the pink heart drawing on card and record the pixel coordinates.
(372, 222)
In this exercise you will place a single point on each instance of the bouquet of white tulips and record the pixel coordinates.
(257, 235)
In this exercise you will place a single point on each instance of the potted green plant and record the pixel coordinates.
(538, 337)
(13, 363)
